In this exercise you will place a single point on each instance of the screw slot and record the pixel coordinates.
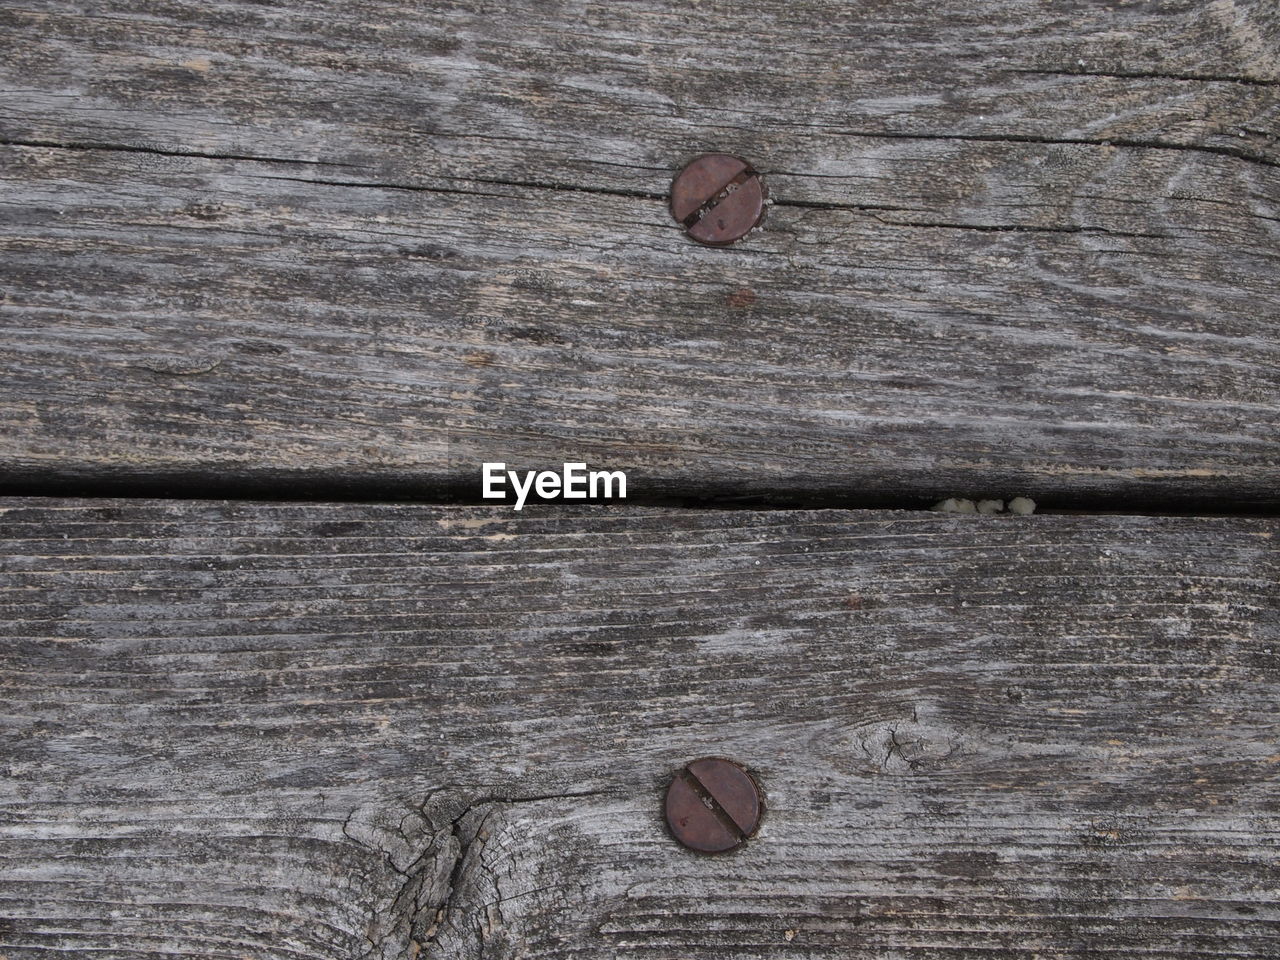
(726, 184)
(713, 805)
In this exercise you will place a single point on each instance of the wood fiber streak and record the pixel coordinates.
(264, 731)
(1016, 247)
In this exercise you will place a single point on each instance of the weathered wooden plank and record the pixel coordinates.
(991, 268)
(252, 730)
(198, 319)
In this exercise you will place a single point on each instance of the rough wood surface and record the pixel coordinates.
(264, 731)
(1016, 247)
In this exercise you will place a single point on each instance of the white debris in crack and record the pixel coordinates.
(1018, 506)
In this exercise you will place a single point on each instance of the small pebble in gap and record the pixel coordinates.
(1020, 506)
(953, 505)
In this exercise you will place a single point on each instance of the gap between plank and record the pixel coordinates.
(676, 496)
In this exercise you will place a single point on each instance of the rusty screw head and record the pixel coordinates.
(718, 198)
(713, 805)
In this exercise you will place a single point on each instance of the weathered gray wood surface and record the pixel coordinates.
(260, 731)
(1018, 248)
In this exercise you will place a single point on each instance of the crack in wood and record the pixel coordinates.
(466, 846)
(1123, 142)
(424, 920)
(165, 152)
(444, 911)
(1146, 75)
(1023, 228)
(657, 197)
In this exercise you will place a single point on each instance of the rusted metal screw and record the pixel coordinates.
(718, 198)
(713, 805)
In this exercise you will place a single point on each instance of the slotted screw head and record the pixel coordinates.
(713, 805)
(718, 198)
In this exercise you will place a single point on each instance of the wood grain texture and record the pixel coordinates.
(263, 731)
(1016, 248)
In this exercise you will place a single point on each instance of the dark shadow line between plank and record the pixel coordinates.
(673, 496)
